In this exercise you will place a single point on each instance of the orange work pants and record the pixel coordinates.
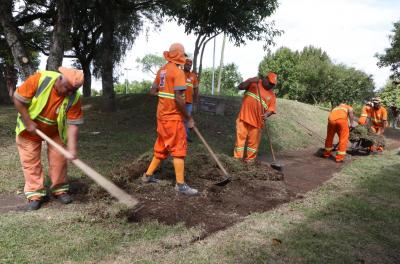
(29, 153)
(252, 134)
(171, 139)
(341, 127)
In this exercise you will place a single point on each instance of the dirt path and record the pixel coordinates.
(304, 170)
(218, 208)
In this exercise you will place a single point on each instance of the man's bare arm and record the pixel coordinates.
(245, 85)
(154, 89)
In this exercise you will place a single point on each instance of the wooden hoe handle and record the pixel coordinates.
(211, 151)
(109, 186)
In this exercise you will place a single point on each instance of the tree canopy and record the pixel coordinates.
(391, 56)
(229, 82)
(239, 20)
(310, 76)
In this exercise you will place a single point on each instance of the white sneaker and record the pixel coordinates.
(186, 189)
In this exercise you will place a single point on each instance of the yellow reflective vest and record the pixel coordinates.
(39, 101)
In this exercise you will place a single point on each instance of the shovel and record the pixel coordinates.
(110, 187)
(227, 178)
(275, 165)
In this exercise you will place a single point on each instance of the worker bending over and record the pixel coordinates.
(253, 114)
(192, 91)
(365, 113)
(379, 121)
(170, 86)
(48, 101)
(338, 122)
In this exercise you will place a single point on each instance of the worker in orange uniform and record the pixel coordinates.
(192, 91)
(365, 113)
(379, 121)
(48, 101)
(338, 122)
(251, 117)
(170, 86)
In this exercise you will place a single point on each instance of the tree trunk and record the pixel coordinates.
(87, 84)
(11, 78)
(4, 98)
(60, 35)
(196, 53)
(107, 56)
(13, 38)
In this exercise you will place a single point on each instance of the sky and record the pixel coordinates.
(350, 31)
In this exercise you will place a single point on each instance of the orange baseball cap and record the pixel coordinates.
(272, 77)
(176, 54)
(73, 76)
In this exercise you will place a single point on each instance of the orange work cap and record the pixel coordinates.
(272, 77)
(176, 54)
(73, 76)
(189, 61)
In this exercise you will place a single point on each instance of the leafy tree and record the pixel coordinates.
(391, 56)
(85, 39)
(133, 87)
(150, 63)
(282, 62)
(239, 20)
(347, 85)
(310, 76)
(230, 80)
(390, 94)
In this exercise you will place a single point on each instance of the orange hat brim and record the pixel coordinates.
(179, 59)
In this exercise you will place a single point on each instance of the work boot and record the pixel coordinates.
(340, 158)
(64, 198)
(186, 189)
(149, 179)
(33, 205)
(326, 154)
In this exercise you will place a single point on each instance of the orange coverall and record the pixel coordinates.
(250, 122)
(29, 145)
(365, 114)
(338, 123)
(191, 83)
(378, 116)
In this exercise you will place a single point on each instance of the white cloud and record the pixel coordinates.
(350, 31)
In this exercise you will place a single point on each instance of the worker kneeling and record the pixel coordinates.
(338, 123)
(259, 102)
(170, 86)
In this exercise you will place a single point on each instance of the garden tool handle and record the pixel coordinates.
(109, 186)
(266, 128)
(211, 151)
(270, 144)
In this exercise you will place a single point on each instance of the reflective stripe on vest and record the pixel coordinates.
(376, 120)
(341, 108)
(46, 120)
(257, 98)
(166, 95)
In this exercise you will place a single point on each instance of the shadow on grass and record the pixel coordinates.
(357, 226)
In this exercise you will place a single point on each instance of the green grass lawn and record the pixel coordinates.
(353, 218)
